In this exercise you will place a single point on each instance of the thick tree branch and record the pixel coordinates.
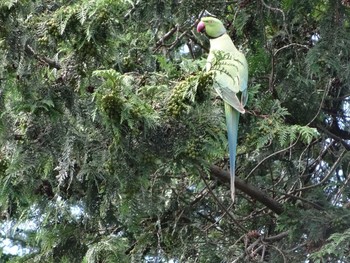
(345, 135)
(335, 136)
(166, 36)
(221, 205)
(276, 237)
(250, 190)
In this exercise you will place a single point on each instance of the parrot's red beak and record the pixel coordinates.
(201, 27)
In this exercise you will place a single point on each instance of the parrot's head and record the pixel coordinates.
(211, 26)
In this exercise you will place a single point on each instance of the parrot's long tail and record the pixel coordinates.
(232, 118)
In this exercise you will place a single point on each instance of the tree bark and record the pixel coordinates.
(248, 189)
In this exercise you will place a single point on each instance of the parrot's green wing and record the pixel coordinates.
(230, 71)
(230, 77)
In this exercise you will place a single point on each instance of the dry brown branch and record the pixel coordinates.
(165, 37)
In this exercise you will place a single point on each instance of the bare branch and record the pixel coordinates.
(290, 45)
(166, 36)
(220, 204)
(275, 9)
(335, 137)
(330, 172)
(185, 31)
(277, 237)
(271, 155)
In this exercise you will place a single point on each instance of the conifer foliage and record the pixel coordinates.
(113, 143)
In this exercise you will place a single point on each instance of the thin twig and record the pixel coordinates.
(314, 205)
(52, 63)
(280, 251)
(177, 40)
(184, 32)
(341, 190)
(271, 155)
(219, 202)
(165, 37)
(309, 165)
(289, 45)
(254, 254)
(335, 165)
(321, 104)
(254, 244)
(263, 254)
(275, 9)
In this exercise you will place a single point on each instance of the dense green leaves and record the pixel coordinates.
(110, 130)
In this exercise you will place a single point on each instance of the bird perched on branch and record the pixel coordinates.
(230, 77)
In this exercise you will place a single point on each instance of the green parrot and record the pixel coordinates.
(230, 75)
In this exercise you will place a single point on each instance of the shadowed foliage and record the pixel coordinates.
(113, 143)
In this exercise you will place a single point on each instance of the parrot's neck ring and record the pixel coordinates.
(210, 37)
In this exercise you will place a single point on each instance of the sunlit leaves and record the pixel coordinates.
(8, 3)
(116, 97)
(185, 95)
(124, 131)
(110, 248)
(337, 245)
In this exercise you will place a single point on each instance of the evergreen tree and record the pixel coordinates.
(113, 143)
